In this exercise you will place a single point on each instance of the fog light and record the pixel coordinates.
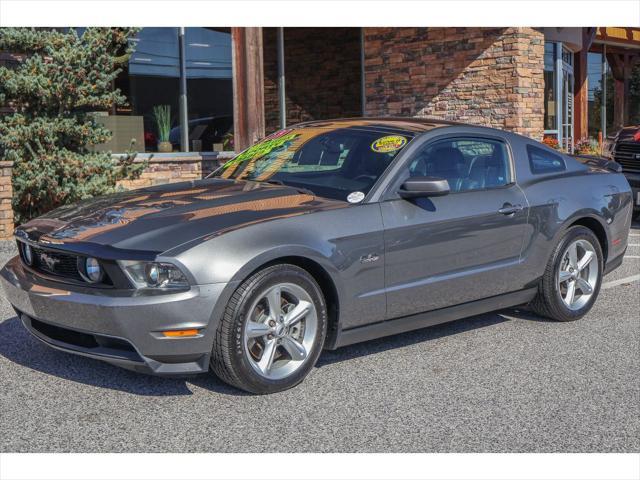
(90, 270)
(181, 333)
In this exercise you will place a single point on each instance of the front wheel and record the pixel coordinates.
(572, 278)
(272, 331)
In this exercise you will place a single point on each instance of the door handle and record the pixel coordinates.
(508, 209)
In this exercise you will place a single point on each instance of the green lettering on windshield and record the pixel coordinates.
(261, 149)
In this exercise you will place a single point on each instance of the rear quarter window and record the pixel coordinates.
(542, 161)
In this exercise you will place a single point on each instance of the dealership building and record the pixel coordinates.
(566, 83)
(569, 83)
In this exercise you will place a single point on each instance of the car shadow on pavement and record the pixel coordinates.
(19, 346)
(419, 336)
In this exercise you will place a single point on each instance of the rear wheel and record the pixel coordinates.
(272, 331)
(571, 282)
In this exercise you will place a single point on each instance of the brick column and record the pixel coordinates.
(6, 193)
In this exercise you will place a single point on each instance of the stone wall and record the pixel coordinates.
(484, 76)
(322, 74)
(175, 167)
(6, 192)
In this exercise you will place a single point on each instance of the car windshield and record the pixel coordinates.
(339, 163)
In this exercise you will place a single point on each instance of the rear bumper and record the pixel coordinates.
(118, 327)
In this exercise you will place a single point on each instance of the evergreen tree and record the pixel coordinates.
(53, 93)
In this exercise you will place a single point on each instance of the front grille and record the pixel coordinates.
(56, 263)
(87, 342)
(72, 337)
(627, 154)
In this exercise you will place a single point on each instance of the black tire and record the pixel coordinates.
(228, 359)
(548, 302)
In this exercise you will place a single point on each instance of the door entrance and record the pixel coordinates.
(559, 90)
(567, 100)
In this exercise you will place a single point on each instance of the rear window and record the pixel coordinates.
(542, 161)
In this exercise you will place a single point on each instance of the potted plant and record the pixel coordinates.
(162, 117)
(550, 141)
(227, 142)
(587, 147)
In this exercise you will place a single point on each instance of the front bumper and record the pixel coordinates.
(120, 327)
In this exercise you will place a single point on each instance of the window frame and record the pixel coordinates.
(544, 151)
(401, 175)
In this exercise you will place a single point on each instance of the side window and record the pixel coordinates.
(466, 163)
(541, 161)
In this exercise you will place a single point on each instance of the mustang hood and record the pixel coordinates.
(156, 219)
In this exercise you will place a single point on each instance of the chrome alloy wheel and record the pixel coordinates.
(280, 331)
(578, 274)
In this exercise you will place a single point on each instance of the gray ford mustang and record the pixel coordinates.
(322, 235)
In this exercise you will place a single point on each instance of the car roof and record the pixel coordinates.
(408, 124)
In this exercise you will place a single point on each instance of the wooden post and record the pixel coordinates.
(628, 64)
(248, 86)
(581, 94)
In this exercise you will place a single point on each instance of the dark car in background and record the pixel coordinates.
(322, 235)
(625, 149)
(205, 131)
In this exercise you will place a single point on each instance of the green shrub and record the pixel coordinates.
(53, 92)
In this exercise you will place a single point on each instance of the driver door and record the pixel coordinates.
(463, 246)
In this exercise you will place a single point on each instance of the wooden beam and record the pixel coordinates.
(621, 65)
(581, 94)
(616, 64)
(248, 86)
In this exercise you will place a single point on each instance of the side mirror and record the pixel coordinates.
(416, 187)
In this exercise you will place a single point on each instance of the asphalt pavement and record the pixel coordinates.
(503, 382)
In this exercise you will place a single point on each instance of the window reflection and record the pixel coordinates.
(152, 78)
(209, 87)
(550, 120)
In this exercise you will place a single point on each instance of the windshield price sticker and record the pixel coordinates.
(388, 144)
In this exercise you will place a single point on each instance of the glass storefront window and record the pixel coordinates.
(594, 95)
(152, 78)
(567, 99)
(550, 116)
(600, 96)
(209, 88)
(558, 94)
(634, 100)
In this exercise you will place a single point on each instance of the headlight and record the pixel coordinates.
(90, 269)
(154, 274)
